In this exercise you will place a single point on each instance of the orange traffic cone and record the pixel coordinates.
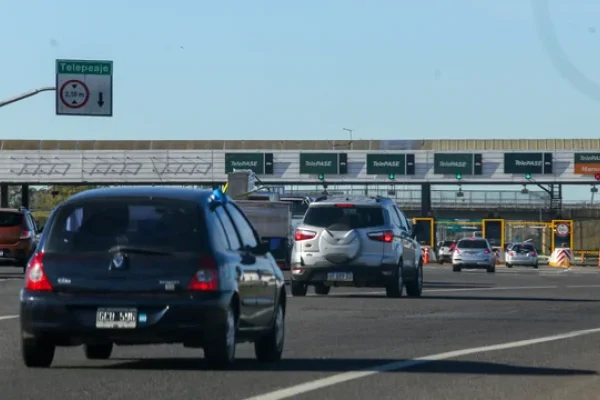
(426, 255)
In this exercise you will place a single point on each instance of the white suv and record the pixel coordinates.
(362, 242)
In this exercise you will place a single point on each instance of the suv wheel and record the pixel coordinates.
(219, 351)
(322, 289)
(37, 353)
(269, 347)
(491, 269)
(415, 288)
(299, 289)
(456, 268)
(98, 351)
(394, 289)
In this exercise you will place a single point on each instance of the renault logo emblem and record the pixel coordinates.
(118, 260)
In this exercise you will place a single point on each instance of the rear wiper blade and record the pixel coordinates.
(138, 250)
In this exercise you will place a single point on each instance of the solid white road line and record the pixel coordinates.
(4, 317)
(401, 365)
(440, 290)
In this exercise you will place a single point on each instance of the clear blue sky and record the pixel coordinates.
(391, 69)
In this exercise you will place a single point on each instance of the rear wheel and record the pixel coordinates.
(269, 347)
(98, 351)
(536, 266)
(322, 289)
(37, 353)
(394, 289)
(219, 351)
(415, 288)
(509, 265)
(299, 289)
(491, 269)
(456, 268)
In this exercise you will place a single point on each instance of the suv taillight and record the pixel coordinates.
(302, 234)
(533, 254)
(35, 276)
(486, 251)
(26, 235)
(512, 253)
(206, 277)
(385, 236)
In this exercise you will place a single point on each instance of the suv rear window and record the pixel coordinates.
(158, 224)
(352, 218)
(472, 244)
(9, 219)
(522, 248)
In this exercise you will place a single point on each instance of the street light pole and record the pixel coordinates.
(26, 95)
(350, 131)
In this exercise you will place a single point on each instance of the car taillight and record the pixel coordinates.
(26, 235)
(206, 277)
(456, 251)
(512, 253)
(533, 254)
(344, 205)
(302, 234)
(35, 276)
(486, 251)
(385, 236)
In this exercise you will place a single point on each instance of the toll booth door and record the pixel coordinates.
(493, 231)
(425, 231)
(562, 234)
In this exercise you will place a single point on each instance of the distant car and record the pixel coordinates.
(444, 252)
(523, 254)
(18, 235)
(473, 253)
(146, 265)
(356, 242)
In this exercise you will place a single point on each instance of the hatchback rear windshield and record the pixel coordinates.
(447, 243)
(344, 218)
(158, 224)
(10, 219)
(472, 244)
(522, 248)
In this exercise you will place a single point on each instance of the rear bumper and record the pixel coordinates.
(362, 276)
(16, 251)
(477, 263)
(517, 261)
(69, 320)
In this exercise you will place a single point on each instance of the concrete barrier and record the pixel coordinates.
(561, 257)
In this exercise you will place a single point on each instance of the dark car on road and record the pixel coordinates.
(18, 233)
(151, 265)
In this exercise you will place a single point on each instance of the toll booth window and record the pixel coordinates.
(493, 232)
(424, 232)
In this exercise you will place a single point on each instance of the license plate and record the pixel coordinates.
(116, 318)
(1, 253)
(340, 277)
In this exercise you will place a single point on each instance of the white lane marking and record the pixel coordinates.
(582, 286)
(439, 290)
(5, 317)
(401, 365)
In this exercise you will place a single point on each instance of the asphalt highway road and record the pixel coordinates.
(454, 326)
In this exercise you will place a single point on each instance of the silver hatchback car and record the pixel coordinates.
(473, 253)
(360, 242)
(522, 254)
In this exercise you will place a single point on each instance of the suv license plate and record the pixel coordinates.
(340, 277)
(116, 318)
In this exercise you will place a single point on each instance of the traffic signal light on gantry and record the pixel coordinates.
(528, 176)
(458, 176)
(391, 177)
(321, 177)
(597, 176)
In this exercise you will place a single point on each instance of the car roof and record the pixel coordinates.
(473, 239)
(13, 210)
(363, 201)
(163, 192)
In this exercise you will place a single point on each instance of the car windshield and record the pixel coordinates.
(345, 218)
(10, 219)
(523, 248)
(472, 244)
(99, 226)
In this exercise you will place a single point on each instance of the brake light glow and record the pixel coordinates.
(302, 234)
(344, 205)
(486, 251)
(533, 254)
(512, 253)
(206, 277)
(35, 276)
(26, 235)
(385, 236)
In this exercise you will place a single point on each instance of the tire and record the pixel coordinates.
(536, 266)
(456, 268)
(415, 288)
(219, 351)
(270, 347)
(441, 262)
(98, 351)
(508, 265)
(491, 269)
(36, 353)
(299, 289)
(322, 289)
(395, 289)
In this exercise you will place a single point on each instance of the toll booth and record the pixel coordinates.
(426, 231)
(493, 231)
(562, 233)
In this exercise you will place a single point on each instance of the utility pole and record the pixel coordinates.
(350, 131)
(26, 95)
